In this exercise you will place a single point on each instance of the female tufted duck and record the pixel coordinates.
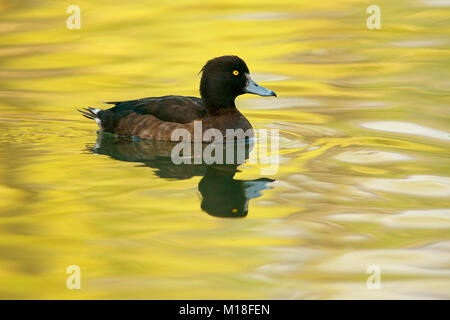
(223, 79)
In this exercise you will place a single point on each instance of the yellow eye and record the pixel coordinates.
(235, 72)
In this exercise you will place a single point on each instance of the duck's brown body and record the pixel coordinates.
(157, 118)
(223, 79)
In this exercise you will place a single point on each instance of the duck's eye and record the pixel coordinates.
(235, 72)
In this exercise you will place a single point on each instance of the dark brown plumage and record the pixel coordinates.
(223, 79)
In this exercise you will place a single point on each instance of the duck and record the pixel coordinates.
(157, 118)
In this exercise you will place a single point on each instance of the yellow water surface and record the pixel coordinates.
(364, 175)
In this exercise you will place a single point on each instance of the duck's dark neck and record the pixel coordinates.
(217, 104)
(216, 93)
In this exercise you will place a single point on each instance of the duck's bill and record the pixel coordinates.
(253, 87)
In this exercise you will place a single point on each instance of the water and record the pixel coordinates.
(364, 176)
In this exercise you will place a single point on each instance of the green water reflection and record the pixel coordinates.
(222, 195)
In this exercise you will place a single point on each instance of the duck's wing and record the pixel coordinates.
(149, 118)
(177, 109)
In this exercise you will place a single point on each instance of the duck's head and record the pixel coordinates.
(224, 78)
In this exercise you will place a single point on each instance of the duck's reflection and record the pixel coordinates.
(222, 195)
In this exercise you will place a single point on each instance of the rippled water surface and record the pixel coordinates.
(364, 175)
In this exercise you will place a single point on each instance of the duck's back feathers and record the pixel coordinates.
(150, 118)
(178, 109)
